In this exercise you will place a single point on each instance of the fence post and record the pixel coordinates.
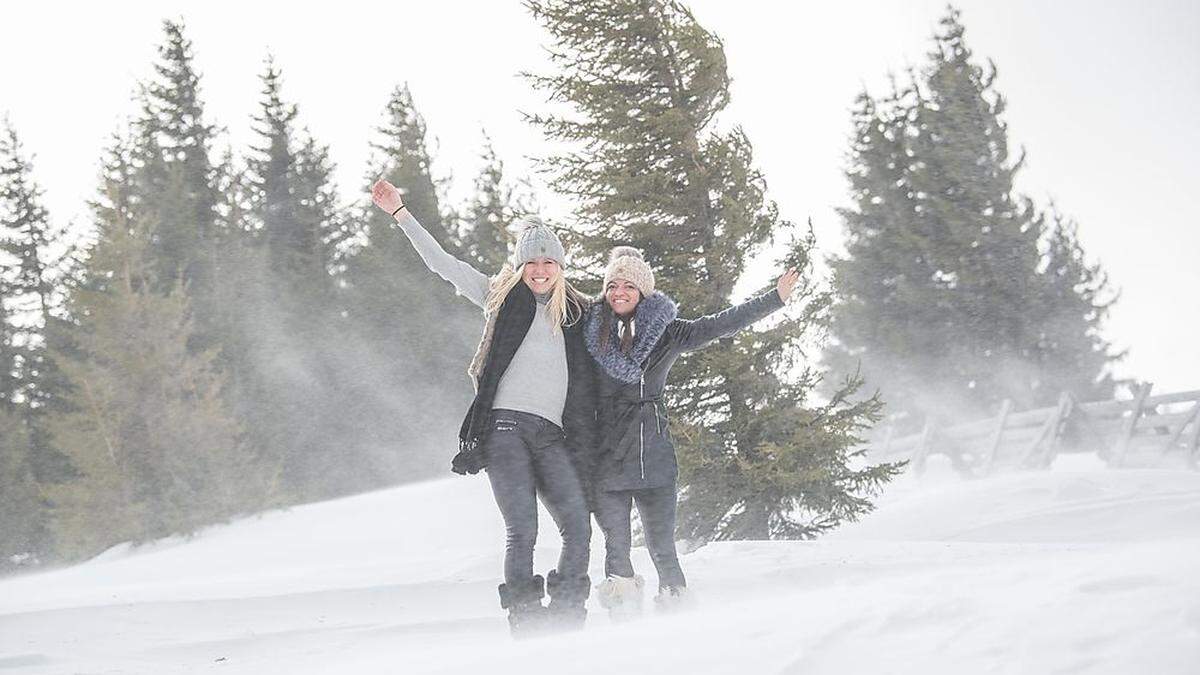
(923, 448)
(1193, 453)
(997, 436)
(1047, 426)
(1066, 403)
(1130, 426)
(1193, 418)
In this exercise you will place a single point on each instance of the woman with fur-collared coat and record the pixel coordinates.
(635, 336)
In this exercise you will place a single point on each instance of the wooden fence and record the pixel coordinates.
(1143, 431)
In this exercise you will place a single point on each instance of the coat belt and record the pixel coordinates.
(625, 412)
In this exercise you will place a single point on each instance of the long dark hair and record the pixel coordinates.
(607, 316)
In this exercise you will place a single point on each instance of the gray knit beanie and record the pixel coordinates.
(625, 262)
(535, 239)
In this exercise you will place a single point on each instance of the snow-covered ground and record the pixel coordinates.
(1078, 569)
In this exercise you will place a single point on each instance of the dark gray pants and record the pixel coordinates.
(527, 459)
(656, 507)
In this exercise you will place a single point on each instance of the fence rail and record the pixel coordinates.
(1142, 431)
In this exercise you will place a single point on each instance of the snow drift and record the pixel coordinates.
(1060, 571)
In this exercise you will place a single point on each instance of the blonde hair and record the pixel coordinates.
(566, 304)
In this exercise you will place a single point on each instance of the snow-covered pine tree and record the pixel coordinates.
(983, 237)
(42, 259)
(947, 294)
(155, 445)
(893, 316)
(176, 177)
(23, 516)
(400, 153)
(36, 262)
(1074, 301)
(288, 315)
(23, 222)
(648, 165)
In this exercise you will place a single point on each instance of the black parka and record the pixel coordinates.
(635, 449)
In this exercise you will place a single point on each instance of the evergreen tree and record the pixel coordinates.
(292, 201)
(24, 233)
(10, 342)
(9, 361)
(985, 242)
(649, 166)
(22, 512)
(401, 154)
(409, 325)
(287, 316)
(233, 209)
(39, 265)
(239, 261)
(891, 293)
(1074, 300)
(947, 296)
(147, 428)
(485, 235)
(35, 265)
(22, 517)
(176, 178)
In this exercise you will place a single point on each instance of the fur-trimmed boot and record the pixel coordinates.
(526, 615)
(621, 596)
(673, 599)
(568, 597)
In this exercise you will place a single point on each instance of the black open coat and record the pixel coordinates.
(634, 449)
(579, 419)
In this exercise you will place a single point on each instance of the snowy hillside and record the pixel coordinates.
(1092, 571)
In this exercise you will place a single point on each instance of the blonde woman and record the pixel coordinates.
(533, 413)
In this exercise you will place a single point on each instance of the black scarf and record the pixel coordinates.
(512, 323)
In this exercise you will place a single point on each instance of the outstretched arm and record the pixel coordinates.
(468, 281)
(696, 333)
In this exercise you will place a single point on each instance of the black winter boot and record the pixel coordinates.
(526, 615)
(568, 596)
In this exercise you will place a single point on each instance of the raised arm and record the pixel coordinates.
(468, 281)
(696, 333)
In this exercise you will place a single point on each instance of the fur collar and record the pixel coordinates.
(652, 316)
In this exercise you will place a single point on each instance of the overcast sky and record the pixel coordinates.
(1103, 96)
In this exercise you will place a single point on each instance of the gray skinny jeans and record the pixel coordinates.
(656, 506)
(528, 459)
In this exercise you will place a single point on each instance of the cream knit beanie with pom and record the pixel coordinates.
(625, 262)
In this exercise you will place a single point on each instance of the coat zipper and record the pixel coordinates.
(642, 427)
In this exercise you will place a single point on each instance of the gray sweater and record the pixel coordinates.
(536, 380)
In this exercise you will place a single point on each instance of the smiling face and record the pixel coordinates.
(540, 274)
(622, 297)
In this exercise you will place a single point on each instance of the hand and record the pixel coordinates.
(787, 284)
(386, 196)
